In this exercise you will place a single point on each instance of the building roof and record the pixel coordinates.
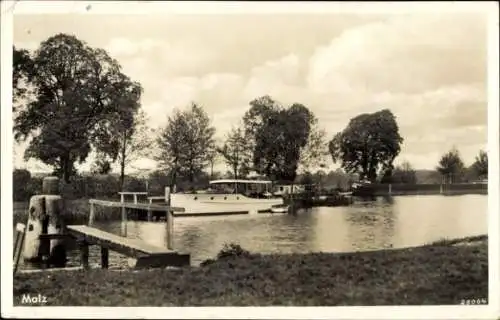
(221, 181)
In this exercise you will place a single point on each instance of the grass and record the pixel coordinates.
(439, 273)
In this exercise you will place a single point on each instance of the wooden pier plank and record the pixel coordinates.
(127, 246)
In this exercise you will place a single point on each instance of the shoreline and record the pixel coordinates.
(78, 209)
(444, 272)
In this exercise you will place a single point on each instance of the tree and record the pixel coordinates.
(213, 157)
(368, 145)
(22, 71)
(480, 165)
(185, 142)
(278, 137)
(134, 140)
(236, 153)
(316, 149)
(307, 181)
(101, 165)
(21, 184)
(404, 173)
(78, 100)
(451, 166)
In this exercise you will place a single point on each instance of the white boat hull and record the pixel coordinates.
(208, 203)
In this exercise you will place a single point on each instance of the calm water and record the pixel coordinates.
(383, 223)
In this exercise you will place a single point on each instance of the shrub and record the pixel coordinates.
(21, 184)
(232, 250)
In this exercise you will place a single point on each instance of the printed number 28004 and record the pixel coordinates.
(474, 301)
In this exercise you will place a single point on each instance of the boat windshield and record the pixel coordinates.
(249, 188)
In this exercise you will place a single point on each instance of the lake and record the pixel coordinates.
(396, 222)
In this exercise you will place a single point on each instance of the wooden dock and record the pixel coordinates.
(144, 254)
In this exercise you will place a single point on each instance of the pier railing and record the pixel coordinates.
(148, 207)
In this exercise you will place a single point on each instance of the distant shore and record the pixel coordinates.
(422, 189)
(447, 272)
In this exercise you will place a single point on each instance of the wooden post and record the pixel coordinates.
(170, 231)
(390, 189)
(36, 215)
(124, 217)
(170, 222)
(150, 215)
(54, 210)
(84, 253)
(92, 214)
(135, 197)
(50, 185)
(104, 258)
(18, 245)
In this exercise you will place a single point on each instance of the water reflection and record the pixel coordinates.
(366, 225)
(370, 227)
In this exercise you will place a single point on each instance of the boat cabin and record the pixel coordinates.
(249, 188)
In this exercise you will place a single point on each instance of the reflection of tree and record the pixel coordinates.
(388, 199)
(371, 227)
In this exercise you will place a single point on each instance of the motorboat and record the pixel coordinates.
(228, 196)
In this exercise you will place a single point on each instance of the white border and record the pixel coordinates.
(112, 7)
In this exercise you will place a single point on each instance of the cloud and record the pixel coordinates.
(430, 70)
(403, 54)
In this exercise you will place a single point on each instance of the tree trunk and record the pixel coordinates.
(66, 168)
(173, 179)
(122, 161)
(211, 170)
(122, 175)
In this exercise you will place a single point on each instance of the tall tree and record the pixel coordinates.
(213, 156)
(236, 152)
(451, 167)
(185, 142)
(78, 98)
(278, 137)
(368, 145)
(314, 154)
(480, 165)
(135, 140)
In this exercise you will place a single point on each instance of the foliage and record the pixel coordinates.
(368, 145)
(314, 153)
(480, 165)
(451, 166)
(21, 183)
(236, 152)
(134, 140)
(185, 142)
(80, 187)
(232, 250)
(278, 137)
(404, 173)
(101, 165)
(22, 71)
(80, 96)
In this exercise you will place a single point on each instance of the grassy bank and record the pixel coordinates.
(440, 273)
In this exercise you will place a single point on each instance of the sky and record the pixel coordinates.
(429, 69)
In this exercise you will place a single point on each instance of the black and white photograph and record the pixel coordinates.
(250, 154)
